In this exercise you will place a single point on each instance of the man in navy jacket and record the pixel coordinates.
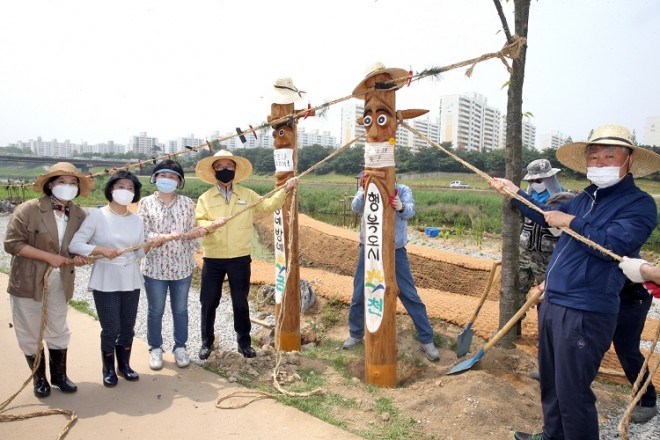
(579, 315)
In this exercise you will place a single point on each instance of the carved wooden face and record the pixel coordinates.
(283, 137)
(379, 117)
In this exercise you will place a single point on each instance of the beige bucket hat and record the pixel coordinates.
(285, 92)
(204, 168)
(399, 75)
(85, 184)
(573, 155)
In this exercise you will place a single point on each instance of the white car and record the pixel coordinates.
(458, 184)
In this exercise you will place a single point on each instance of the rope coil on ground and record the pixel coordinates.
(37, 360)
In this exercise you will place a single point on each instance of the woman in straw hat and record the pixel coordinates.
(578, 317)
(116, 279)
(227, 249)
(38, 237)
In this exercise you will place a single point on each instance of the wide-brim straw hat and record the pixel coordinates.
(85, 184)
(284, 92)
(645, 161)
(204, 168)
(400, 76)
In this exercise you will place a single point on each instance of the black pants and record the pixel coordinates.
(237, 271)
(572, 344)
(117, 312)
(632, 314)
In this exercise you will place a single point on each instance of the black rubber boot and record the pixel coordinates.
(123, 363)
(58, 375)
(109, 375)
(41, 385)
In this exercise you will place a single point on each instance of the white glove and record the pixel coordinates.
(631, 267)
(396, 203)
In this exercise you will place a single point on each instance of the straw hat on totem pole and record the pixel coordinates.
(285, 92)
(400, 77)
(85, 184)
(204, 168)
(573, 156)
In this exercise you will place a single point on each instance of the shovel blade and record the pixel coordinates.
(464, 341)
(467, 363)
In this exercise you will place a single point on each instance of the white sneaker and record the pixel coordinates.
(156, 358)
(431, 351)
(351, 342)
(181, 357)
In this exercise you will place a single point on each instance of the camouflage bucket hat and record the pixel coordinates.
(540, 169)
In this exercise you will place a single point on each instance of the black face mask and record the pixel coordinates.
(225, 176)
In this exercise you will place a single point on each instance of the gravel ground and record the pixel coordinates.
(226, 338)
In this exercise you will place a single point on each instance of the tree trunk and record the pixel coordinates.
(510, 296)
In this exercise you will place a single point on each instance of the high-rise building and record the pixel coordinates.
(144, 144)
(528, 134)
(652, 131)
(552, 140)
(181, 143)
(469, 123)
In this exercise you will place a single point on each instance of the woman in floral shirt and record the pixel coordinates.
(170, 218)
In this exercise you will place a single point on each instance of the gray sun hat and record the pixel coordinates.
(540, 169)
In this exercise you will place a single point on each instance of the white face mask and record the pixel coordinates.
(538, 187)
(122, 196)
(65, 192)
(604, 177)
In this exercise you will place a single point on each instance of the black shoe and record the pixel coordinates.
(204, 352)
(41, 385)
(525, 436)
(123, 363)
(247, 352)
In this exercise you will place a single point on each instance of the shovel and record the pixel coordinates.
(468, 363)
(465, 337)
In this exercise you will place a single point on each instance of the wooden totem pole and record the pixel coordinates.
(287, 291)
(380, 119)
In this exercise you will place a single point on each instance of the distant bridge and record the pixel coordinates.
(83, 163)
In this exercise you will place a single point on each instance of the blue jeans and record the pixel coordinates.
(156, 296)
(407, 295)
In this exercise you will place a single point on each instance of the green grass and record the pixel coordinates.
(83, 306)
(476, 211)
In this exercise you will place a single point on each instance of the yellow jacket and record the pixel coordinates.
(212, 205)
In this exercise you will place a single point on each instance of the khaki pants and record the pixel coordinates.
(26, 314)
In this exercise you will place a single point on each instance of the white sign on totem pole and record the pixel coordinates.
(374, 275)
(280, 255)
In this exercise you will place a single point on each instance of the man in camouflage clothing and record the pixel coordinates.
(537, 242)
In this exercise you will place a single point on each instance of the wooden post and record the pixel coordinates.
(287, 291)
(380, 120)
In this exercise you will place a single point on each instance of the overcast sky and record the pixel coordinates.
(98, 71)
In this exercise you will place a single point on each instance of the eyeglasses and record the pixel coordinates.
(226, 167)
(537, 181)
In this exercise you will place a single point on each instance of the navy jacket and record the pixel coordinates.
(619, 218)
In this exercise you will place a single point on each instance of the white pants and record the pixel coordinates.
(26, 314)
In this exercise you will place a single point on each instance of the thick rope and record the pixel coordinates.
(637, 392)
(37, 360)
(511, 51)
(521, 199)
(259, 201)
(256, 395)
